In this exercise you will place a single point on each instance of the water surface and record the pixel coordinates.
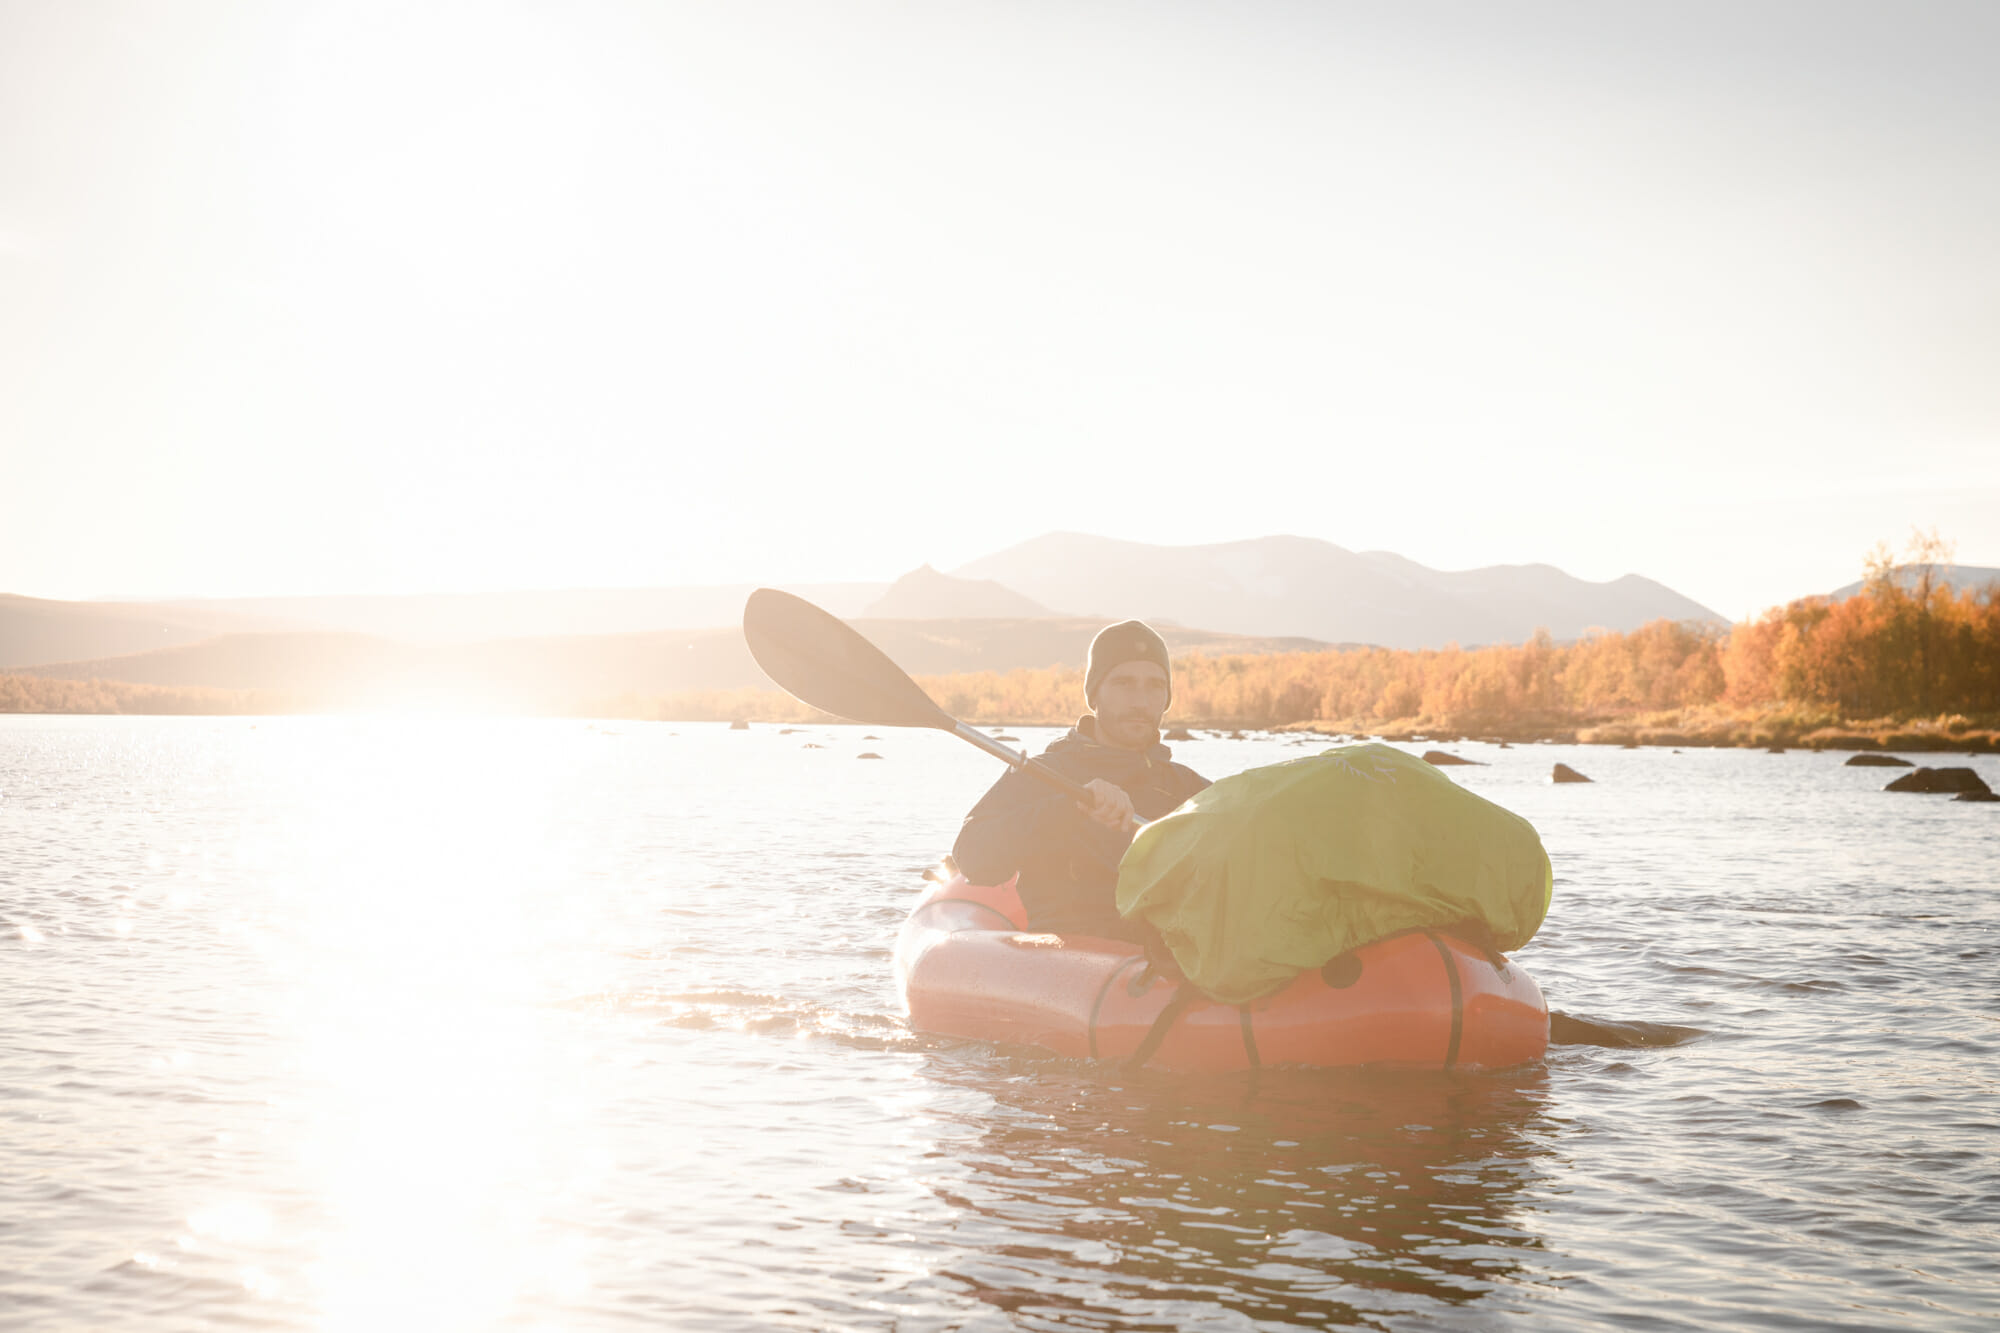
(329, 1023)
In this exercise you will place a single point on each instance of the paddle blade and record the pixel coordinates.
(821, 660)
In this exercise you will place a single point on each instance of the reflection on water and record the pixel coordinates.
(446, 1112)
(1280, 1196)
(345, 1024)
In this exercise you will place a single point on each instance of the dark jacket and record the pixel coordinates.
(1068, 862)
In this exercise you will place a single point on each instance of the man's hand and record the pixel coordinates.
(1113, 805)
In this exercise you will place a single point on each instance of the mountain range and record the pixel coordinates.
(1033, 605)
(1300, 585)
(337, 669)
(1272, 587)
(1956, 577)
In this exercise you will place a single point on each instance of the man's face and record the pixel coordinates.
(1131, 700)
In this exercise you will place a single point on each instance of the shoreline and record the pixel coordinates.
(1976, 744)
(1775, 729)
(1772, 730)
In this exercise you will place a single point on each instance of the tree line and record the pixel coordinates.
(1906, 647)
(45, 694)
(1906, 661)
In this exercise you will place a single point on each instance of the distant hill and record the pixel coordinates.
(467, 617)
(1300, 585)
(1296, 588)
(34, 630)
(340, 670)
(1957, 577)
(925, 594)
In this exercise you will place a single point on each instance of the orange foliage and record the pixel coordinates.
(1898, 649)
(1662, 665)
(1659, 666)
(1904, 648)
(1046, 696)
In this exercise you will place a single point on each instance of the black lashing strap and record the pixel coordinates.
(1183, 996)
(1457, 999)
(1097, 1005)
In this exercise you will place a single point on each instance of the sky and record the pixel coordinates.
(379, 298)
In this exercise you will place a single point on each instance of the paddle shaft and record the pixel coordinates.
(1015, 759)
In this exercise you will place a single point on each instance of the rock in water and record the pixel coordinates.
(1940, 780)
(1439, 759)
(1877, 761)
(1564, 773)
(869, 754)
(739, 725)
(1179, 734)
(1976, 796)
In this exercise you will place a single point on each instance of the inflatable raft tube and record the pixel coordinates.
(1420, 999)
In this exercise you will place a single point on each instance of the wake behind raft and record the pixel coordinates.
(1346, 908)
(1421, 999)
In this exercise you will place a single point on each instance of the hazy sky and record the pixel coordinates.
(376, 298)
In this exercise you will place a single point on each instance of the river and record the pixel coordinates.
(377, 1023)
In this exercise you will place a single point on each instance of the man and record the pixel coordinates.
(1066, 853)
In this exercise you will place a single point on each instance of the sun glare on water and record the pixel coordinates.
(449, 1117)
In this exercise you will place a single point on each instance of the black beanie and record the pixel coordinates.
(1114, 646)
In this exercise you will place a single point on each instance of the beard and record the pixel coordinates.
(1130, 727)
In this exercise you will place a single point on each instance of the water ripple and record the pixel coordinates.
(345, 1023)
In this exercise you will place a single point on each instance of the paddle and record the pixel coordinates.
(821, 660)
